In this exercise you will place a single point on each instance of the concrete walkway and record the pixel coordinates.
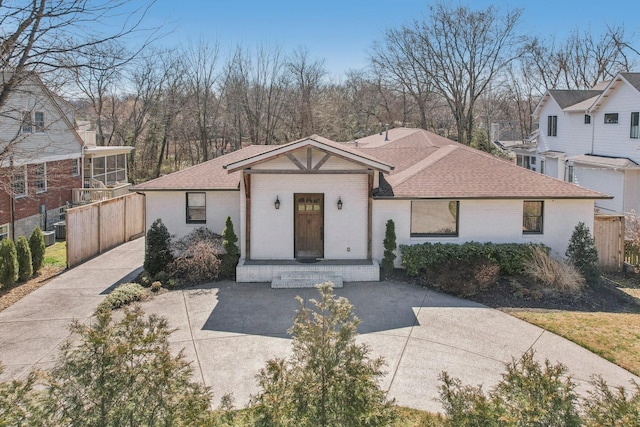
(230, 329)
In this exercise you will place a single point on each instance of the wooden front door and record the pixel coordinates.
(309, 225)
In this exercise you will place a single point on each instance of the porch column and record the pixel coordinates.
(247, 220)
(369, 215)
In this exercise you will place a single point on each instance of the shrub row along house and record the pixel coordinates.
(592, 138)
(325, 202)
(46, 164)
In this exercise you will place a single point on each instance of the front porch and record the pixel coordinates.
(294, 273)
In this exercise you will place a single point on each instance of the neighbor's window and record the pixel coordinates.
(41, 178)
(552, 125)
(611, 118)
(532, 217)
(38, 121)
(542, 166)
(434, 218)
(75, 167)
(196, 208)
(4, 231)
(20, 182)
(26, 122)
(587, 119)
(635, 121)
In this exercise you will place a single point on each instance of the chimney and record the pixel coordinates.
(386, 135)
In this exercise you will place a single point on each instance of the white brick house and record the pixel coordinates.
(316, 199)
(591, 138)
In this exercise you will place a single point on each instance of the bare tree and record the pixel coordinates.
(456, 50)
(582, 60)
(306, 76)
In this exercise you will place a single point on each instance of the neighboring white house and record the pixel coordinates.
(591, 138)
(316, 199)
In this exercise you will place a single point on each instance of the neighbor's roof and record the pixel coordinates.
(605, 162)
(431, 166)
(567, 98)
(424, 165)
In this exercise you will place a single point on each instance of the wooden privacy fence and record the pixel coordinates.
(97, 227)
(608, 233)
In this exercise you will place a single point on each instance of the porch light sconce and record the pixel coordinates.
(277, 203)
(339, 203)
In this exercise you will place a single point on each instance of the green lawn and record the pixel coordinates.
(56, 255)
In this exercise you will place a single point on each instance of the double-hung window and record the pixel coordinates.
(26, 125)
(196, 208)
(20, 182)
(532, 217)
(434, 218)
(635, 122)
(38, 121)
(4, 231)
(41, 178)
(552, 125)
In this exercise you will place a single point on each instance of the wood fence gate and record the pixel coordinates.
(97, 227)
(608, 233)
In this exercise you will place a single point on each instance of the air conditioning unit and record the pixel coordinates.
(49, 237)
(61, 230)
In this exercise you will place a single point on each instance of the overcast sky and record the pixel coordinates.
(342, 32)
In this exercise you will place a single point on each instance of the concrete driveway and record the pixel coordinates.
(228, 330)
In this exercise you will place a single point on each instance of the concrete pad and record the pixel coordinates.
(230, 365)
(381, 307)
(462, 328)
(415, 383)
(29, 342)
(53, 304)
(98, 280)
(171, 306)
(581, 363)
(389, 347)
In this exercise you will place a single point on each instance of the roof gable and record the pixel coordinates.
(629, 80)
(330, 147)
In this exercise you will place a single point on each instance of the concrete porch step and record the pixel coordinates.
(305, 279)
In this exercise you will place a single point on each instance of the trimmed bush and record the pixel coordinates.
(389, 248)
(158, 251)
(582, 253)
(616, 408)
(25, 266)
(123, 295)
(232, 253)
(421, 258)
(37, 247)
(465, 278)
(8, 263)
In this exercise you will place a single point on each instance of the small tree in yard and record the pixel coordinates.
(123, 373)
(329, 380)
(158, 251)
(230, 259)
(389, 247)
(582, 253)
(8, 262)
(25, 266)
(527, 395)
(37, 247)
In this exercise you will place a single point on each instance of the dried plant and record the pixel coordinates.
(554, 274)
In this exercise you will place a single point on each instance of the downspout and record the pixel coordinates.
(593, 129)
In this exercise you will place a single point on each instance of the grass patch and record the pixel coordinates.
(56, 255)
(614, 336)
(409, 417)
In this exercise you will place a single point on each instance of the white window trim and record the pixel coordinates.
(76, 165)
(4, 231)
(41, 190)
(26, 183)
(26, 122)
(38, 127)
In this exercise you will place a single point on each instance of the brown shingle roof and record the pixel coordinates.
(209, 175)
(426, 166)
(436, 167)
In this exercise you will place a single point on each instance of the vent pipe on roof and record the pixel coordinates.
(356, 143)
(386, 135)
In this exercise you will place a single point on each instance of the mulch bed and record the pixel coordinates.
(608, 297)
